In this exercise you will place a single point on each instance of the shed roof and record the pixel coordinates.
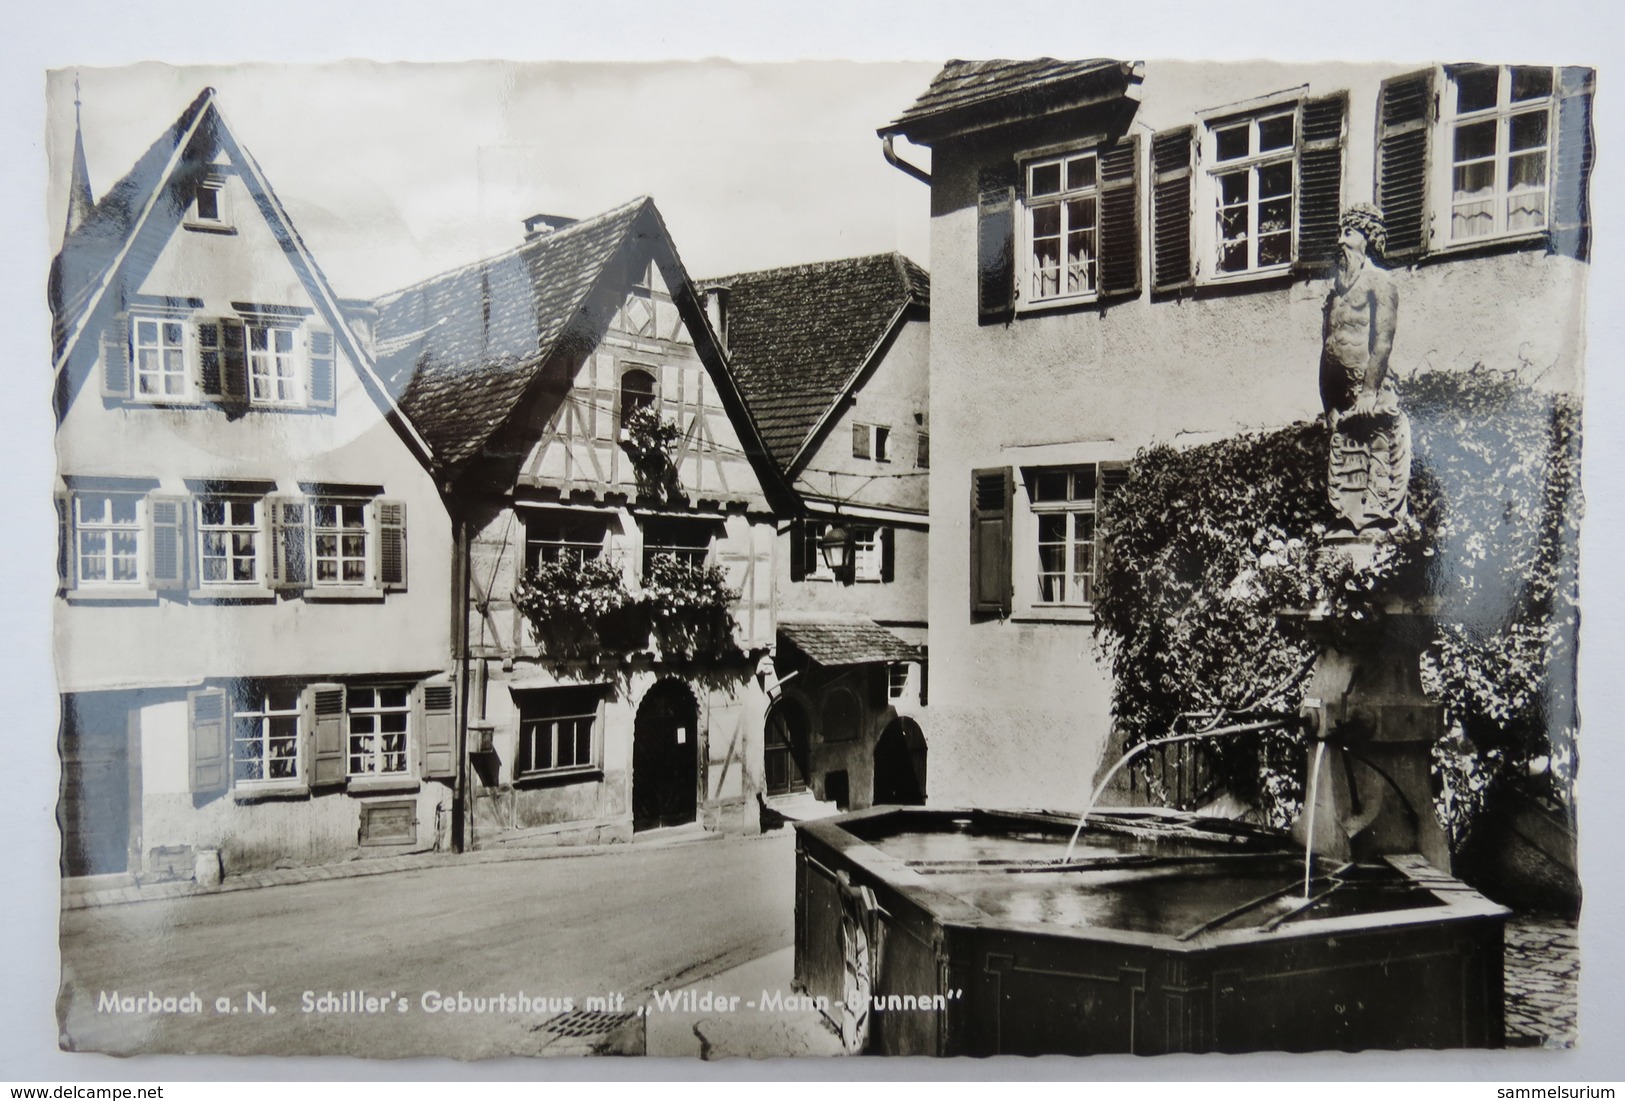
(798, 336)
(995, 90)
(852, 641)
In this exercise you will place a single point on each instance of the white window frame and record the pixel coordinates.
(539, 548)
(340, 532)
(271, 369)
(868, 553)
(1502, 114)
(1209, 237)
(897, 678)
(172, 361)
(815, 568)
(104, 526)
(215, 184)
(550, 726)
(1062, 199)
(875, 442)
(366, 750)
(232, 529)
(265, 732)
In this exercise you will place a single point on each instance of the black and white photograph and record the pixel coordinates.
(1026, 555)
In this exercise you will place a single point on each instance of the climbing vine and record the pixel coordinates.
(1207, 544)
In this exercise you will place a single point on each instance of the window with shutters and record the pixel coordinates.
(867, 553)
(1250, 176)
(1061, 228)
(814, 567)
(558, 731)
(1058, 543)
(377, 728)
(265, 735)
(229, 539)
(159, 358)
(158, 355)
(340, 536)
(1497, 122)
(109, 530)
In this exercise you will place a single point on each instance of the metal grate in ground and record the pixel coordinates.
(581, 1023)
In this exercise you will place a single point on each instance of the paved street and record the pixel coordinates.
(1542, 982)
(625, 920)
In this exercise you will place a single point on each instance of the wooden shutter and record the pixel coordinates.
(325, 703)
(798, 549)
(1406, 109)
(166, 528)
(1110, 477)
(391, 545)
(860, 441)
(208, 747)
(290, 542)
(996, 242)
(1320, 181)
(1576, 151)
(1120, 218)
(208, 348)
(323, 384)
(991, 503)
(437, 754)
(116, 357)
(66, 565)
(233, 361)
(1173, 173)
(888, 553)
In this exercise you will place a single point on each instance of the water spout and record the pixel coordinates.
(1309, 833)
(1100, 789)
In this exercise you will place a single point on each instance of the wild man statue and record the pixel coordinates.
(1370, 468)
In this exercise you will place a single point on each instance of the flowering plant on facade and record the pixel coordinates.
(575, 606)
(1206, 545)
(647, 438)
(689, 606)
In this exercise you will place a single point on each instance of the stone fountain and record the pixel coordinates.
(977, 932)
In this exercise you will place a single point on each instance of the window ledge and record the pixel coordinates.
(1039, 614)
(253, 793)
(375, 784)
(1057, 305)
(1486, 246)
(344, 596)
(560, 777)
(248, 594)
(111, 596)
(210, 227)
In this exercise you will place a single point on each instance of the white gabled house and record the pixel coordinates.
(253, 618)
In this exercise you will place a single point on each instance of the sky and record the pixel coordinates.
(394, 172)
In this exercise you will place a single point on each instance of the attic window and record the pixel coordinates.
(209, 204)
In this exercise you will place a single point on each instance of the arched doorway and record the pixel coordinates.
(665, 757)
(785, 753)
(900, 764)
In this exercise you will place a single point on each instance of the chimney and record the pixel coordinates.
(540, 225)
(716, 312)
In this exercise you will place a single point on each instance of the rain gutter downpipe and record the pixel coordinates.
(899, 163)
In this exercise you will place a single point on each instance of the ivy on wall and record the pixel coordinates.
(1207, 544)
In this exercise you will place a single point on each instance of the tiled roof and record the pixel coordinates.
(462, 348)
(95, 243)
(852, 641)
(966, 86)
(798, 335)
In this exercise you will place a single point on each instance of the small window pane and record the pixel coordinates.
(1475, 141)
(1275, 133)
(1051, 485)
(1235, 187)
(1080, 172)
(1232, 142)
(1476, 89)
(1083, 484)
(1046, 221)
(1530, 83)
(1528, 130)
(1046, 179)
(1275, 179)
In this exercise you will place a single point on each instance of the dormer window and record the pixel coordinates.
(209, 204)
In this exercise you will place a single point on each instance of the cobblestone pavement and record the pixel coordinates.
(1542, 981)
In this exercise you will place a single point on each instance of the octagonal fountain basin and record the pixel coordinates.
(967, 932)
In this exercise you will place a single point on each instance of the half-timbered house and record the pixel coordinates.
(605, 487)
(250, 647)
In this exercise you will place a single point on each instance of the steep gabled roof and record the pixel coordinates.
(967, 94)
(461, 349)
(90, 250)
(466, 348)
(115, 244)
(799, 337)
